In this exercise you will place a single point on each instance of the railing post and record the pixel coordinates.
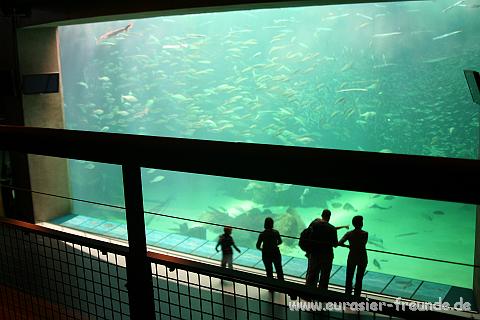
(139, 274)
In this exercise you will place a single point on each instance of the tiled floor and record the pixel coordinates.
(373, 281)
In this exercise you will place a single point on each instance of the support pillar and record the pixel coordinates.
(39, 53)
(139, 271)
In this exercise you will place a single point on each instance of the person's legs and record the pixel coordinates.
(223, 262)
(229, 260)
(349, 276)
(359, 279)
(267, 261)
(325, 269)
(313, 270)
(277, 261)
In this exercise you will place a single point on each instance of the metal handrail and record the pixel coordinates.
(67, 237)
(395, 174)
(235, 227)
(289, 288)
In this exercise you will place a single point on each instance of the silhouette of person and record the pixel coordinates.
(320, 258)
(270, 238)
(226, 242)
(357, 257)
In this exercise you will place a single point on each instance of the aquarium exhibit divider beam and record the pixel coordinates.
(445, 179)
(53, 12)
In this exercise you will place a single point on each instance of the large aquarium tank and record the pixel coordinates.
(380, 77)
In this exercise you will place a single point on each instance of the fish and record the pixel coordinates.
(129, 98)
(376, 206)
(453, 6)
(346, 67)
(435, 60)
(428, 217)
(377, 264)
(406, 234)
(385, 151)
(389, 197)
(83, 84)
(446, 35)
(252, 186)
(336, 205)
(438, 212)
(364, 16)
(280, 187)
(367, 115)
(385, 35)
(347, 206)
(157, 179)
(376, 244)
(90, 166)
(113, 33)
(336, 17)
(123, 113)
(353, 90)
(302, 197)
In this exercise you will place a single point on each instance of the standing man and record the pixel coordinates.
(320, 257)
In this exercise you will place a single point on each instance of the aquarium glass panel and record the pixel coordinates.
(376, 77)
(366, 77)
(195, 208)
(98, 201)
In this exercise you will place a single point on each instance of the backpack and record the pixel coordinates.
(305, 242)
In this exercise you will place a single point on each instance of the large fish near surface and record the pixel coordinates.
(113, 33)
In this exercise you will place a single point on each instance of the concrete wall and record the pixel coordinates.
(39, 53)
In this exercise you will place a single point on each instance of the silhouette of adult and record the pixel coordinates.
(270, 238)
(357, 257)
(320, 258)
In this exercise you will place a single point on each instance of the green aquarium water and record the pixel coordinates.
(367, 77)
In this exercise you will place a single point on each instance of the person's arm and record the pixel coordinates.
(365, 240)
(344, 239)
(233, 245)
(342, 227)
(259, 241)
(335, 238)
(218, 243)
(279, 239)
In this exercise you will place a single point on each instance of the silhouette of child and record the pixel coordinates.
(226, 242)
(270, 252)
(357, 257)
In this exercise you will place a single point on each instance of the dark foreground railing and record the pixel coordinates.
(422, 177)
(56, 275)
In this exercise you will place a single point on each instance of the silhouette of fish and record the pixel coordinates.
(113, 33)
(389, 197)
(376, 206)
(347, 206)
(406, 234)
(377, 264)
(439, 212)
(336, 205)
